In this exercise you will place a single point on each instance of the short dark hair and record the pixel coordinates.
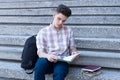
(64, 10)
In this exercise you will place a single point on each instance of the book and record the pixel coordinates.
(91, 74)
(91, 68)
(68, 58)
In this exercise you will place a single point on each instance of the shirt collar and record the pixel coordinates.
(55, 28)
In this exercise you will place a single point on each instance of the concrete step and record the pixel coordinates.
(96, 31)
(104, 59)
(10, 1)
(73, 20)
(51, 3)
(86, 57)
(49, 11)
(20, 30)
(98, 43)
(1, 78)
(10, 53)
(79, 31)
(89, 43)
(13, 71)
(10, 40)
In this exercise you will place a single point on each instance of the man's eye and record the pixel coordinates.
(59, 19)
(64, 21)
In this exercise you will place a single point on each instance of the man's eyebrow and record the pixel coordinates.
(63, 20)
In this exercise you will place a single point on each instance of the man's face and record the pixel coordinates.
(59, 20)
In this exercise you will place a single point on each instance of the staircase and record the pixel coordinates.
(96, 26)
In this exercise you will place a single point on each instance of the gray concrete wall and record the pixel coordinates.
(96, 26)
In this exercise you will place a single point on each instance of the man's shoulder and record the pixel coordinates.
(67, 28)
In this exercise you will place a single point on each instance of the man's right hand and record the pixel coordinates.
(52, 58)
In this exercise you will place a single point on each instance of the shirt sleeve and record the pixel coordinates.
(72, 42)
(40, 42)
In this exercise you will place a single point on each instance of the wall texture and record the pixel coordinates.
(96, 26)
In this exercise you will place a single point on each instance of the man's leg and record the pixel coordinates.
(42, 67)
(60, 70)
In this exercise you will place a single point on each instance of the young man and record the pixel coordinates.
(53, 41)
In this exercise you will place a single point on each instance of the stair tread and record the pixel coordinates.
(9, 69)
(89, 43)
(100, 54)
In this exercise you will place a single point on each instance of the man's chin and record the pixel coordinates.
(60, 26)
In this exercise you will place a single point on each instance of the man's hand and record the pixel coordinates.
(74, 52)
(52, 58)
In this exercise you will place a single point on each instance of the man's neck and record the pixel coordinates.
(57, 28)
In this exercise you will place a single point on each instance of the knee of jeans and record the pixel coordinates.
(43, 60)
(41, 63)
(59, 75)
(61, 72)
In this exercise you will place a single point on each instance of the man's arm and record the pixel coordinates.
(73, 49)
(40, 43)
(51, 58)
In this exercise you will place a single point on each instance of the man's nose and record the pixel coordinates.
(61, 22)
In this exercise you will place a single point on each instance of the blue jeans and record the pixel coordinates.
(43, 66)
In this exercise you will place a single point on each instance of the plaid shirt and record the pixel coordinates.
(51, 41)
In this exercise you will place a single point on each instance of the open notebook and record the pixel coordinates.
(68, 58)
